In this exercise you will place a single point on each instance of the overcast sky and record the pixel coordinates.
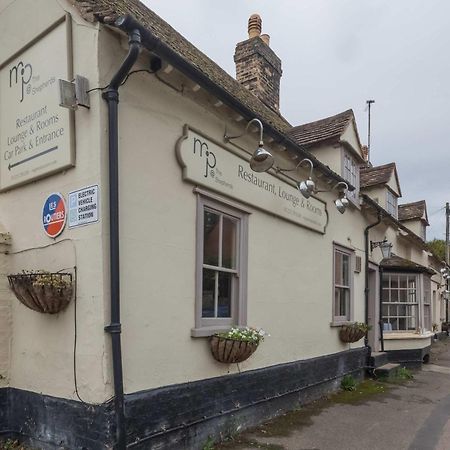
(336, 54)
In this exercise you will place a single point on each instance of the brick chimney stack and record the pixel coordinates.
(258, 68)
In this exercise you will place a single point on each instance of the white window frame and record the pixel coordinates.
(339, 249)
(426, 295)
(206, 326)
(350, 173)
(392, 203)
(417, 303)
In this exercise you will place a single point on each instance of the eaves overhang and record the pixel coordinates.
(158, 47)
(372, 204)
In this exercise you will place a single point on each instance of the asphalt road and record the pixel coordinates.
(408, 415)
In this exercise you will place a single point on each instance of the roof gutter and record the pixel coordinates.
(155, 45)
(374, 205)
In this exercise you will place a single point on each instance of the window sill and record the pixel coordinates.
(208, 331)
(387, 335)
(340, 323)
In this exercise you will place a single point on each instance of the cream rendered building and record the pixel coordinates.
(204, 241)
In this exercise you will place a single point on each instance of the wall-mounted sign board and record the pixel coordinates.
(83, 206)
(36, 134)
(208, 163)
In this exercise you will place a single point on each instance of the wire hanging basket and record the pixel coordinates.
(44, 292)
(231, 351)
(351, 333)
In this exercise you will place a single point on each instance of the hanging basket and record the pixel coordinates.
(349, 333)
(43, 292)
(231, 351)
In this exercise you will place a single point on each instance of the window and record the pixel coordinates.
(391, 204)
(400, 301)
(351, 174)
(426, 303)
(221, 267)
(343, 284)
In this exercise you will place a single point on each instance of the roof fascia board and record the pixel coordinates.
(155, 45)
(385, 215)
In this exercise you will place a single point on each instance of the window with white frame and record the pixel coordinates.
(351, 174)
(391, 204)
(400, 298)
(221, 267)
(343, 284)
(426, 302)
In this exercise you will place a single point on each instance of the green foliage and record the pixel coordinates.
(348, 383)
(362, 326)
(247, 334)
(209, 444)
(437, 246)
(11, 444)
(404, 374)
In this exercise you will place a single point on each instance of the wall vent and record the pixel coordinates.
(358, 264)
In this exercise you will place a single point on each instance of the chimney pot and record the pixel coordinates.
(254, 26)
(266, 39)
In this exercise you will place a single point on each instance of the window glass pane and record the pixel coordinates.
(338, 268)
(394, 282)
(385, 281)
(229, 236)
(345, 270)
(402, 295)
(208, 295)
(224, 300)
(403, 281)
(342, 301)
(394, 295)
(211, 225)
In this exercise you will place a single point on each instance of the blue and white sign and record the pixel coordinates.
(83, 206)
(54, 215)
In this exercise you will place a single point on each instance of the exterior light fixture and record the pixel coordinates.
(342, 202)
(261, 160)
(306, 187)
(385, 247)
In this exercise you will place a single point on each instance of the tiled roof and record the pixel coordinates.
(324, 130)
(107, 11)
(372, 176)
(409, 211)
(397, 263)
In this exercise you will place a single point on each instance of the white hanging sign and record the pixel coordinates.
(207, 163)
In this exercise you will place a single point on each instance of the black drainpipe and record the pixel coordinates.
(381, 311)
(111, 95)
(366, 281)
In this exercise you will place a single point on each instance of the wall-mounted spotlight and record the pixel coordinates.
(385, 247)
(307, 187)
(261, 160)
(341, 202)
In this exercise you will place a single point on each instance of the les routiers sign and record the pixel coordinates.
(35, 132)
(209, 164)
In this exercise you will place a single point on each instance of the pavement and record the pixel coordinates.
(400, 415)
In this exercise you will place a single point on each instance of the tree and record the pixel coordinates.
(437, 246)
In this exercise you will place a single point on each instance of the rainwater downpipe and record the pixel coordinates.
(111, 95)
(366, 279)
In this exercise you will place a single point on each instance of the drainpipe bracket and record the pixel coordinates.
(113, 328)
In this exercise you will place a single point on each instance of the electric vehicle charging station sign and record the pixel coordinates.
(54, 215)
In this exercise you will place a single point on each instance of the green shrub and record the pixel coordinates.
(348, 383)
